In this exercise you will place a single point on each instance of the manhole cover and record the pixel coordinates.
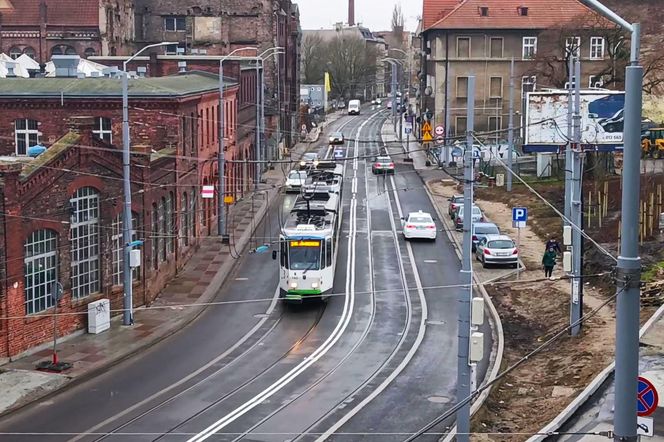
(438, 399)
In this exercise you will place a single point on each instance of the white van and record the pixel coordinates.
(354, 107)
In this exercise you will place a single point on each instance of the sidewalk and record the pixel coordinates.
(198, 282)
(409, 148)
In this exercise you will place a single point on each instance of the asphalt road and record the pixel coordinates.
(376, 362)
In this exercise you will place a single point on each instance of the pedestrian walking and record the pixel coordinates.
(549, 261)
(552, 242)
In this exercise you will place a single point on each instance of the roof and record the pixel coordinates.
(183, 85)
(502, 14)
(84, 13)
(67, 141)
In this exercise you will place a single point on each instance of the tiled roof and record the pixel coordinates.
(83, 13)
(503, 14)
(434, 10)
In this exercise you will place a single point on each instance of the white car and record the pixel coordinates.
(419, 225)
(309, 158)
(477, 217)
(336, 138)
(497, 249)
(295, 180)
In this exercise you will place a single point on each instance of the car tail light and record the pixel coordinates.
(391, 166)
(431, 227)
(377, 165)
(474, 238)
(487, 252)
(515, 252)
(410, 226)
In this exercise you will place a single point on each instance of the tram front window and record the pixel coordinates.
(304, 255)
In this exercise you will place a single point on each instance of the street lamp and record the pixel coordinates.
(221, 156)
(127, 315)
(393, 62)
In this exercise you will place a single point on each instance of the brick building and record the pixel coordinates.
(480, 37)
(61, 211)
(42, 28)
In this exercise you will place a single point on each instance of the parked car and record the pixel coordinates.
(419, 225)
(309, 158)
(295, 180)
(336, 138)
(477, 217)
(455, 202)
(497, 249)
(382, 164)
(480, 230)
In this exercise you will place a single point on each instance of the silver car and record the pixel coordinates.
(477, 217)
(497, 249)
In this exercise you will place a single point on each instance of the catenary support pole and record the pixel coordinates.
(448, 116)
(258, 127)
(510, 128)
(221, 158)
(394, 94)
(466, 293)
(628, 275)
(265, 155)
(576, 209)
(570, 136)
(127, 313)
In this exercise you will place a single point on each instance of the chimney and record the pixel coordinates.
(182, 67)
(66, 65)
(10, 69)
(351, 12)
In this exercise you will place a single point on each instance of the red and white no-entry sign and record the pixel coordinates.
(208, 192)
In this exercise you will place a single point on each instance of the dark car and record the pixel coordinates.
(382, 165)
(455, 202)
(481, 230)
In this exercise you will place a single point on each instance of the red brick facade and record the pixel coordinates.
(174, 144)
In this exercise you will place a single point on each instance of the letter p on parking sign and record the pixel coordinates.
(519, 216)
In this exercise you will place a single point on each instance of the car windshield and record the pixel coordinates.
(336, 135)
(457, 199)
(486, 230)
(297, 175)
(500, 244)
(310, 156)
(383, 160)
(419, 219)
(304, 257)
(477, 211)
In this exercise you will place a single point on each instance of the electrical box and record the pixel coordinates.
(567, 235)
(476, 347)
(99, 316)
(477, 312)
(567, 262)
(135, 258)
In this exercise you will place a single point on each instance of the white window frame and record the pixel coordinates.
(529, 43)
(470, 48)
(173, 21)
(15, 52)
(118, 249)
(104, 134)
(25, 135)
(179, 49)
(40, 265)
(594, 45)
(573, 42)
(84, 243)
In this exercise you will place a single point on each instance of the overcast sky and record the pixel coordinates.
(374, 14)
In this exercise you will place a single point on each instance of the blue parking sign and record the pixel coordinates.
(519, 214)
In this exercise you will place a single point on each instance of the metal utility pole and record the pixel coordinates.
(510, 129)
(628, 271)
(401, 105)
(258, 126)
(448, 112)
(466, 291)
(576, 206)
(221, 158)
(570, 135)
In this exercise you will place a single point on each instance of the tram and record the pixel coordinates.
(309, 239)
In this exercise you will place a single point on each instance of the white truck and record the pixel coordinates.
(354, 107)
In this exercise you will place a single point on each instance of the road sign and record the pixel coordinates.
(426, 132)
(409, 127)
(228, 199)
(426, 127)
(207, 192)
(440, 130)
(645, 426)
(457, 152)
(440, 139)
(647, 398)
(519, 217)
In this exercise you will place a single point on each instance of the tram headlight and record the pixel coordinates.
(314, 285)
(293, 285)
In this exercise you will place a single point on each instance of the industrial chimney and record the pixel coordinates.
(351, 12)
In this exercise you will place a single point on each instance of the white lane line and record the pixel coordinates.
(242, 279)
(430, 261)
(409, 355)
(344, 320)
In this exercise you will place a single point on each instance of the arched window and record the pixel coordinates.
(90, 52)
(169, 224)
(184, 218)
(40, 270)
(70, 51)
(84, 238)
(56, 50)
(155, 236)
(192, 212)
(15, 52)
(118, 249)
(30, 52)
(162, 229)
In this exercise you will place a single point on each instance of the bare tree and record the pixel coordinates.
(398, 22)
(352, 65)
(313, 58)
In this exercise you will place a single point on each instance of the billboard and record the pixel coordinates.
(601, 120)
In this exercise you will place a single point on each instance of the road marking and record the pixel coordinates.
(320, 351)
(242, 279)
(430, 261)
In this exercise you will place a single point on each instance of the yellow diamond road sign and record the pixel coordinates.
(427, 136)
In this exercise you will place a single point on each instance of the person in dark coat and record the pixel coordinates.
(553, 243)
(549, 261)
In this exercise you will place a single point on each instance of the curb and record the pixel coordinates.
(594, 385)
(496, 326)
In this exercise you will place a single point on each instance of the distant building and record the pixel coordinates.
(42, 28)
(473, 37)
(63, 208)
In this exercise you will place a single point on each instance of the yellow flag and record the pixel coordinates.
(328, 87)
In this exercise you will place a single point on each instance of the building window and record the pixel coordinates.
(70, 51)
(170, 224)
(40, 269)
(461, 125)
(596, 48)
(174, 49)
(56, 50)
(496, 47)
(90, 52)
(118, 248)
(462, 87)
(484, 11)
(463, 47)
(15, 52)
(103, 129)
(496, 87)
(495, 124)
(529, 49)
(192, 213)
(175, 24)
(572, 46)
(26, 135)
(84, 238)
(523, 11)
(185, 214)
(30, 52)
(596, 81)
(528, 84)
(155, 236)
(162, 229)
